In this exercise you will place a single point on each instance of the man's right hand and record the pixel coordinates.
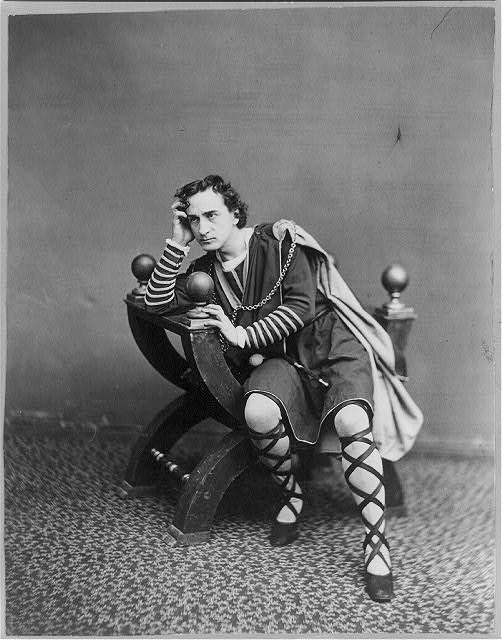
(182, 233)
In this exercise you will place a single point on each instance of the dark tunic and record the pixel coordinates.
(325, 346)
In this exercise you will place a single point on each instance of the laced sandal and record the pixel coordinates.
(282, 533)
(378, 587)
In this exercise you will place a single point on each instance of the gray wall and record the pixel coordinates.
(300, 108)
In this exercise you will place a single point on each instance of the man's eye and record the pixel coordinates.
(192, 220)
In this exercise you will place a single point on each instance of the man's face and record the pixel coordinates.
(211, 222)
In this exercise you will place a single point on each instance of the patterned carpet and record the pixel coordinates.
(79, 560)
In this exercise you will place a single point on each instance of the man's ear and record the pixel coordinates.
(236, 216)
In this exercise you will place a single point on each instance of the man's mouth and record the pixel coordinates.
(203, 240)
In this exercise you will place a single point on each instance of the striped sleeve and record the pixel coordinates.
(279, 324)
(160, 291)
(295, 310)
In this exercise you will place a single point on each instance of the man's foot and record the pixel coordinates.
(379, 588)
(285, 526)
(282, 533)
(378, 569)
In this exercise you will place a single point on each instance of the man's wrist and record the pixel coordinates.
(241, 336)
(178, 245)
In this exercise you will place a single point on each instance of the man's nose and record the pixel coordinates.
(203, 227)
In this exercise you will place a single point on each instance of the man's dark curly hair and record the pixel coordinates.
(230, 196)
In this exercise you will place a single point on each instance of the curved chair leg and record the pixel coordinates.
(206, 486)
(162, 433)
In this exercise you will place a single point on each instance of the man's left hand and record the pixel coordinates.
(222, 322)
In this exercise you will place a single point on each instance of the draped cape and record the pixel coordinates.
(397, 419)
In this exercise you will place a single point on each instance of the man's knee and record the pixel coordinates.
(351, 419)
(261, 413)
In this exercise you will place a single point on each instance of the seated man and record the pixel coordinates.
(297, 339)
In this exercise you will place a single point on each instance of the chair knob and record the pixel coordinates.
(395, 280)
(199, 287)
(142, 267)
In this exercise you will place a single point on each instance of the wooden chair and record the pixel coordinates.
(211, 391)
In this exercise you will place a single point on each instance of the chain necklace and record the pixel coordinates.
(267, 298)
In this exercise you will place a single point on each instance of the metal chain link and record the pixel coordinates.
(268, 297)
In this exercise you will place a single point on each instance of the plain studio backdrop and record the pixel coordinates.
(370, 126)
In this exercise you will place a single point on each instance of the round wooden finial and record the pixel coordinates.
(199, 287)
(142, 267)
(395, 280)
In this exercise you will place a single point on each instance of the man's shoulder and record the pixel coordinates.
(263, 229)
(275, 230)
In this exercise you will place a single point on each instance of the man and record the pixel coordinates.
(287, 338)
